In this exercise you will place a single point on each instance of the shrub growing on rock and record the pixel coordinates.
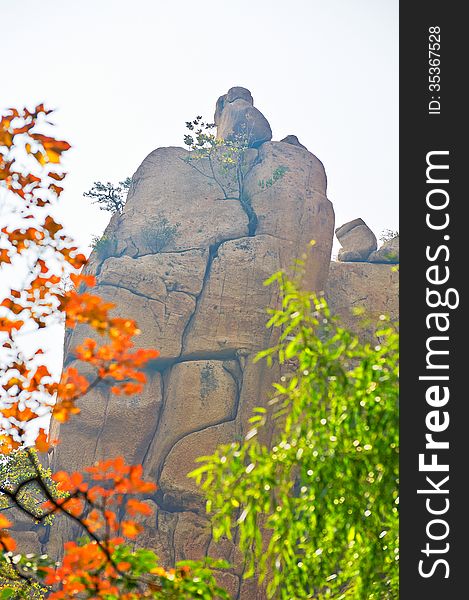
(103, 246)
(158, 235)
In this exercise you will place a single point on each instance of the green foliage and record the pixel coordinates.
(278, 174)
(15, 471)
(226, 162)
(110, 197)
(223, 161)
(12, 585)
(198, 583)
(16, 590)
(157, 236)
(188, 580)
(104, 246)
(317, 508)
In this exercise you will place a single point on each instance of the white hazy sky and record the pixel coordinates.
(125, 75)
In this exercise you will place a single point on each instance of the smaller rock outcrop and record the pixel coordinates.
(371, 288)
(357, 241)
(388, 253)
(236, 115)
(294, 141)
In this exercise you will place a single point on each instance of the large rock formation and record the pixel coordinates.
(189, 266)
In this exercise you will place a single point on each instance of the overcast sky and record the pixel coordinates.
(125, 76)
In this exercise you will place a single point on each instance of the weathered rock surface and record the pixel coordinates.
(388, 253)
(199, 394)
(295, 209)
(357, 241)
(235, 114)
(165, 187)
(199, 298)
(374, 288)
(231, 310)
(108, 426)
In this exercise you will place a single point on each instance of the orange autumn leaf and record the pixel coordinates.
(40, 108)
(135, 507)
(70, 482)
(131, 529)
(63, 410)
(111, 520)
(7, 542)
(4, 522)
(13, 306)
(8, 444)
(9, 384)
(56, 176)
(88, 280)
(41, 159)
(4, 256)
(41, 373)
(94, 521)
(43, 443)
(75, 260)
(73, 506)
(6, 139)
(8, 325)
(52, 226)
(56, 188)
(52, 147)
(72, 385)
(42, 266)
(14, 411)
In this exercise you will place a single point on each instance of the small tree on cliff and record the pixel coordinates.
(317, 508)
(110, 197)
(387, 235)
(227, 163)
(105, 501)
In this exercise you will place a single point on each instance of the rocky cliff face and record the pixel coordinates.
(188, 266)
(371, 287)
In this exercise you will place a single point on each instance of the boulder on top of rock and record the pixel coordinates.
(239, 93)
(357, 241)
(236, 115)
(388, 253)
(293, 140)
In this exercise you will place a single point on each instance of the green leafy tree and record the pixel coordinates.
(18, 476)
(223, 161)
(18, 472)
(110, 197)
(316, 509)
(226, 162)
